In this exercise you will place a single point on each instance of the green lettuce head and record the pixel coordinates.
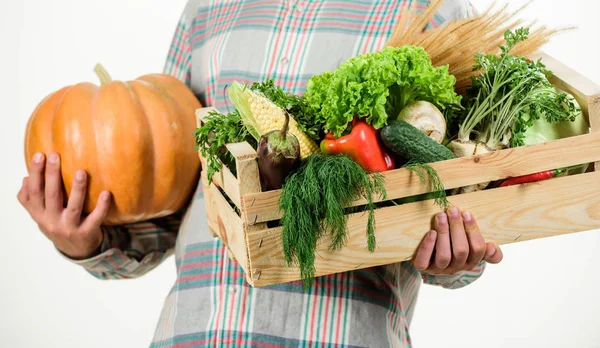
(375, 86)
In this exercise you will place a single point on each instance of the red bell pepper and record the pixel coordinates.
(362, 145)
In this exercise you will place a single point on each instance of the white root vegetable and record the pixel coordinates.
(465, 148)
(427, 118)
(462, 148)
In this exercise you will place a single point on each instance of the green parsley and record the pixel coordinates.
(217, 131)
(510, 93)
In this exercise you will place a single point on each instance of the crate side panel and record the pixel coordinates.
(225, 179)
(209, 205)
(229, 227)
(230, 184)
(247, 167)
(505, 215)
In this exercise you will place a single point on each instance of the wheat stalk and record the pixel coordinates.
(456, 43)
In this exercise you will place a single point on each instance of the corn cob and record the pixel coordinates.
(260, 115)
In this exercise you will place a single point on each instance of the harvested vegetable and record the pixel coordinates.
(362, 145)
(540, 131)
(278, 154)
(374, 85)
(508, 88)
(295, 105)
(217, 131)
(313, 202)
(408, 142)
(545, 175)
(261, 116)
(438, 192)
(134, 138)
(426, 118)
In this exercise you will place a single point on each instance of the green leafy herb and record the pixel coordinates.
(314, 200)
(217, 131)
(509, 95)
(437, 185)
(378, 84)
(295, 105)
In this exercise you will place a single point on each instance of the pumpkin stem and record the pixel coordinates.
(102, 74)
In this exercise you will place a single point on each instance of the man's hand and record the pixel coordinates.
(455, 245)
(42, 196)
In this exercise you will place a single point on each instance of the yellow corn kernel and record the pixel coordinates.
(270, 117)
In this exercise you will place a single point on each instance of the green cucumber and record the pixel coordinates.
(407, 141)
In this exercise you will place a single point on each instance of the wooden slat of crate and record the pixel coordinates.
(505, 215)
(247, 168)
(229, 227)
(263, 206)
(229, 183)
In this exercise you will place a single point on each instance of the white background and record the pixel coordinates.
(544, 294)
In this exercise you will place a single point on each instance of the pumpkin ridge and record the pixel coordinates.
(185, 104)
(68, 129)
(99, 175)
(122, 150)
(148, 203)
(32, 125)
(181, 195)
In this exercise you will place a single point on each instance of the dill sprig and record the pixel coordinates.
(437, 185)
(313, 203)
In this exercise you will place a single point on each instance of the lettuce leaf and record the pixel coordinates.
(375, 86)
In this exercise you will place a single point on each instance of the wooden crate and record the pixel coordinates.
(506, 215)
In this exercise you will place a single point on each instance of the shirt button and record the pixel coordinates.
(284, 61)
(232, 290)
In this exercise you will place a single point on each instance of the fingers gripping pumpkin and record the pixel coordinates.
(133, 138)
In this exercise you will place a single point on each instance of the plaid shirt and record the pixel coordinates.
(215, 43)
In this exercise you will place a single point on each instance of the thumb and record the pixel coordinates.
(493, 253)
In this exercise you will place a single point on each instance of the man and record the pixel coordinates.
(215, 43)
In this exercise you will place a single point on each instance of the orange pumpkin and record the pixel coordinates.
(133, 138)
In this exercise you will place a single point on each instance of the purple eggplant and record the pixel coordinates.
(278, 154)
